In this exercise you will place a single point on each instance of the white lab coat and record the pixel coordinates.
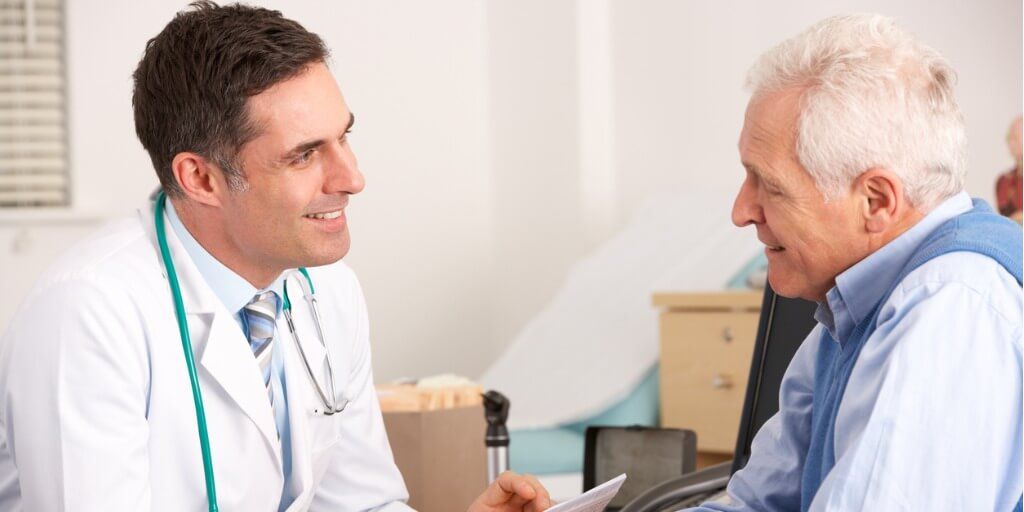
(96, 409)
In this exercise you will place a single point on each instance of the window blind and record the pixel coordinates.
(33, 153)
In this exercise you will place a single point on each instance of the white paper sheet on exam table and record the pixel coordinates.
(593, 500)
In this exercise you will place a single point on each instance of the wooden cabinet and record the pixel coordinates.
(707, 341)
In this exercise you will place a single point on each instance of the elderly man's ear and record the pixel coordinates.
(880, 195)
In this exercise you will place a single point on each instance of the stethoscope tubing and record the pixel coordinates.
(330, 406)
(186, 344)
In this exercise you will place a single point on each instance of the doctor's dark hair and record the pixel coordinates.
(194, 80)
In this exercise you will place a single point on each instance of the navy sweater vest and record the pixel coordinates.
(978, 230)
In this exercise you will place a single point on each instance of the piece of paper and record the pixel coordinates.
(593, 500)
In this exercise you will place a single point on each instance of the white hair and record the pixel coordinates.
(872, 96)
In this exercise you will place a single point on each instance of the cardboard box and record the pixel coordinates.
(441, 455)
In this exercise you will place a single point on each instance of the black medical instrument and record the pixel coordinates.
(496, 407)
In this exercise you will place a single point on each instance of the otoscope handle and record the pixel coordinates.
(496, 407)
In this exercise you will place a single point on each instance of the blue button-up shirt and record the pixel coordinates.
(235, 292)
(931, 416)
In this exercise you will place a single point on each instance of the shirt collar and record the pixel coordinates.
(861, 286)
(232, 289)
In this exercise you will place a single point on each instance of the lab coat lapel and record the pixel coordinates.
(217, 341)
(300, 483)
(228, 359)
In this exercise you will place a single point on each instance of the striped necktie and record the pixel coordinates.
(261, 317)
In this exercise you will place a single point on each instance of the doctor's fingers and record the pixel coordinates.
(527, 493)
(542, 499)
(512, 491)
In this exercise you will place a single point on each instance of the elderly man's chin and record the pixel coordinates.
(786, 284)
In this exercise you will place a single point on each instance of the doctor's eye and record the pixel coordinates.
(305, 157)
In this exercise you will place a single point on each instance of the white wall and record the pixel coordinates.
(533, 129)
(413, 72)
(679, 70)
(502, 141)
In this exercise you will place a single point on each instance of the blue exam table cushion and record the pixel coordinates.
(560, 449)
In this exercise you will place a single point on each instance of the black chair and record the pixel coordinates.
(783, 326)
(649, 455)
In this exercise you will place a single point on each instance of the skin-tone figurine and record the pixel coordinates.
(1009, 185)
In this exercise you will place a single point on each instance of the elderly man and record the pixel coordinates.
(101, 404)
(907, 395)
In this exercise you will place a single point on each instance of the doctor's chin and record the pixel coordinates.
(592, 256)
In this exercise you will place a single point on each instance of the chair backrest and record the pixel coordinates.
(648, 455)
(783, 326)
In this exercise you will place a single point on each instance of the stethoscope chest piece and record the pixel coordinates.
(324, 411)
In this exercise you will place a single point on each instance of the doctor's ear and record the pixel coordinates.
(201, 180)
(880, 192)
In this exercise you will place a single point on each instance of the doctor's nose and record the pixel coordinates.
(342, 174)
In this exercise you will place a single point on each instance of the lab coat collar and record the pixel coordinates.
(223, 351)
(197, 299)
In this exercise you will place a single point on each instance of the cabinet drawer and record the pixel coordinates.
(705, 362)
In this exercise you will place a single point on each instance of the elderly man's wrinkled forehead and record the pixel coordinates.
(771, 120)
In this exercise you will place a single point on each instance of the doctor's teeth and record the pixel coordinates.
(328, 216)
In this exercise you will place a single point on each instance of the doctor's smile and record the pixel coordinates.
(330, 220)
(324, 216)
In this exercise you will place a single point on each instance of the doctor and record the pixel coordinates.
(247, 131)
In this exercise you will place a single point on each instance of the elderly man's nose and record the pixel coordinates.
(745, 210)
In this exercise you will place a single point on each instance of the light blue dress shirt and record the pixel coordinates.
(931, 417)
(235, 292)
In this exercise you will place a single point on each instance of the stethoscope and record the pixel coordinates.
(329, 399)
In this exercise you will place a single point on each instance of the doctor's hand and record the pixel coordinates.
(512, 492)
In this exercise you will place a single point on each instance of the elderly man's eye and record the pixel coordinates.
(771, 188)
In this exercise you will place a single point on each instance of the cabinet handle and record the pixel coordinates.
(727, 334)
(721, 381)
